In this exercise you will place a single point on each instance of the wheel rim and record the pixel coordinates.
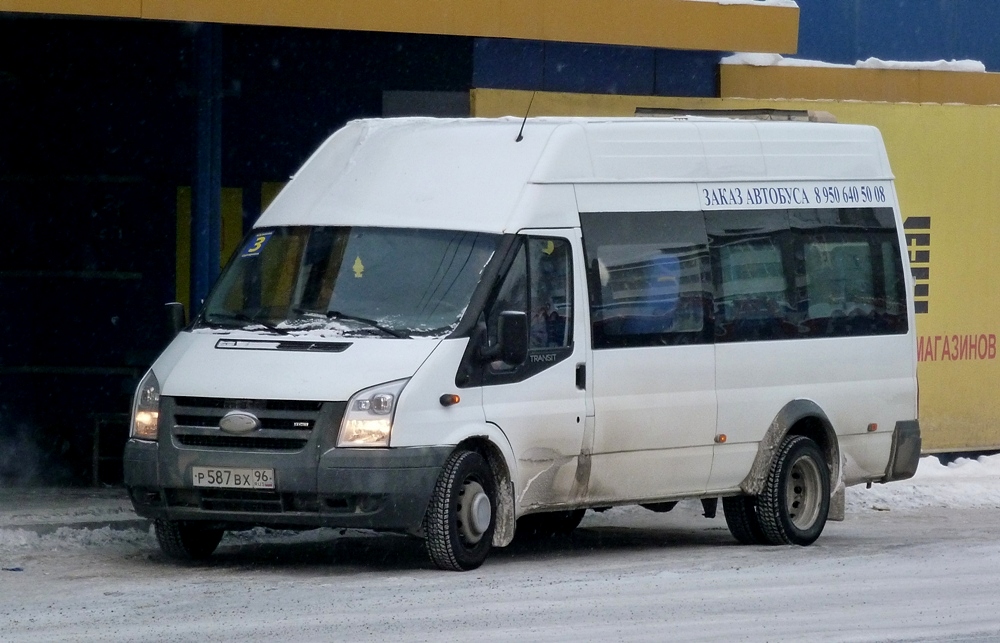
(802, 492)
(474, 512)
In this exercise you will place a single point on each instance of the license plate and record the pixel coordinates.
(231, 478)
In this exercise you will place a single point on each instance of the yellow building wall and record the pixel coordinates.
(672, 24)
(947, 166)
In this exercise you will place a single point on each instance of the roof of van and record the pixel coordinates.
(473, 174)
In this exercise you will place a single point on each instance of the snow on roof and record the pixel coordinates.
(777, 60)
(772, 3)
(473, 174)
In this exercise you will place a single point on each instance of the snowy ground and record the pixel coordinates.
(916, 560)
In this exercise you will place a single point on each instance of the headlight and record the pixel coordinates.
(368, 420)
(146, 408)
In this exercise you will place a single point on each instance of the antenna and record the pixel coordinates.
(520, 133)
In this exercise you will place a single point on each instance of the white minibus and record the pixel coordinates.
(462, 329)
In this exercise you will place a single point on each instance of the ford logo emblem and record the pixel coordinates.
(239, 422)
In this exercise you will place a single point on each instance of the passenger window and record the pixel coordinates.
(852, 272)
(753, 274)
(839, 279)
(753, 291)
(649, 278)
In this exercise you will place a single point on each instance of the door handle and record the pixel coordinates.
(581, 376)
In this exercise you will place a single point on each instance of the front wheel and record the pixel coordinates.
(460, 517)
(795, 501)
(186, 541)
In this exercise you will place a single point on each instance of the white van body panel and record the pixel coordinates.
(641, 197)
(655, 422)
(391, 174)
(197, 367)
(756, 379)
(419, 412)
(820, 152)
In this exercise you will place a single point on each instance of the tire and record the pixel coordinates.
(186, 541)
(742, 520)
(461, 515)
(548, 524)
(795, 502)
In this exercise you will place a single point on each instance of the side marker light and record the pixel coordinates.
(872, 427)
(720, 439)
(448, 399)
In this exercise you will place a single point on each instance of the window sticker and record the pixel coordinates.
(359, 268)
(256, 244)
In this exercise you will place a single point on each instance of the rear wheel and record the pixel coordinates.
(550, 523)
(741, 517)
(795, 502)
(186, 541)
(461, 515)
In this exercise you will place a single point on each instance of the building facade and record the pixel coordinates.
(141, 139)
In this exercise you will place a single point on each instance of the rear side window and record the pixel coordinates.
(851, 272)
(665, 278)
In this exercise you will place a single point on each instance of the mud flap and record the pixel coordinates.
(838, 502)
(905, 453)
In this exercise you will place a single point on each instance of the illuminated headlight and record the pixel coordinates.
(368, 420)
(146, 409)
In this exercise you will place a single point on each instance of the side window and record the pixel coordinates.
(754, 276)
(513, 294)
(839, 278)
(649, 278)
(852, 271)
(550, 293)
(538, 283)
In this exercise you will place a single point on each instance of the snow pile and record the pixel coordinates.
(260, 535)
(777, 60)
(68, 538)
(16, 540)
(964, 483)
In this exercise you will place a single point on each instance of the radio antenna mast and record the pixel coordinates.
(520, 134)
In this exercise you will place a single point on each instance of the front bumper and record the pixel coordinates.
(905, 453)
(384, 489)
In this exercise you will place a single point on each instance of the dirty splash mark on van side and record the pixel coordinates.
(547, 479)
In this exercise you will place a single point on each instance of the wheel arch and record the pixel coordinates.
(498, 457)
(798, 417)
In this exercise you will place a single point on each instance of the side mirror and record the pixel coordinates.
(176, 318)
(512, 335)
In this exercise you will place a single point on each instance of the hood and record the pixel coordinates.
(246, 365)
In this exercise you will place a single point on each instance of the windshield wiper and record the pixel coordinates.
(336, 314)
(242, 317)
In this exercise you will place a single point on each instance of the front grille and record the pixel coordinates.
(278, 424)
(285, 425)
(240, 442)
(249, 405)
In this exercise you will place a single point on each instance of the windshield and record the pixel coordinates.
(350, 281)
